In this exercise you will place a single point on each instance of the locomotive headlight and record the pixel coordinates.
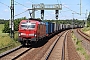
(19, 34)
(22, 34)
(35, 35)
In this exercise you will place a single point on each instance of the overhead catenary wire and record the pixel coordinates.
(68, 8)
(23, 12)
(5, 4)
(65, 11)
(21, 4)
(62, 11)
(18, 3)
(64, 16)
(20, 13)
(71, 9)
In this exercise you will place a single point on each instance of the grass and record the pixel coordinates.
(1, 27)
(5, 40)
(86, 29)
(80, 48)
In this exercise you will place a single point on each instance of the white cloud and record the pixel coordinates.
(28, 2)
(6, 10)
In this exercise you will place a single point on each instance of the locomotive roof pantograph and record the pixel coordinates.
(35, 19)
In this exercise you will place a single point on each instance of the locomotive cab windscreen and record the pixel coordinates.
(28, 26)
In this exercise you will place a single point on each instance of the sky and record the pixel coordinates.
(68, 7)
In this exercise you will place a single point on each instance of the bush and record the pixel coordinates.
(16, 24)
(6, 28)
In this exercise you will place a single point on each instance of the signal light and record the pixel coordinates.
(42, 14)
(56, 16)
(42, 11)
(57, 11)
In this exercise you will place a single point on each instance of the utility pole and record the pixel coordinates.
(12, 20)
(73, 21)
(80, 7)
(86, 18)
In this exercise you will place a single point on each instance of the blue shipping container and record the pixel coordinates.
(48, 27)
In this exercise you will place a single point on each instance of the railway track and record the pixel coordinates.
(41, 53)
(87, 37)
(54, 49)
(14, 53)
(84, 38)
(62, 49)
(68, 51)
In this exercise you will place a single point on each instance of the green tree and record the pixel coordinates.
(2, 21)
(6, 27)
(17, 21)
(88, 20)
(16, 24)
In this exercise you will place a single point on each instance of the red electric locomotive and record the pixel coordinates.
(31, 30)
